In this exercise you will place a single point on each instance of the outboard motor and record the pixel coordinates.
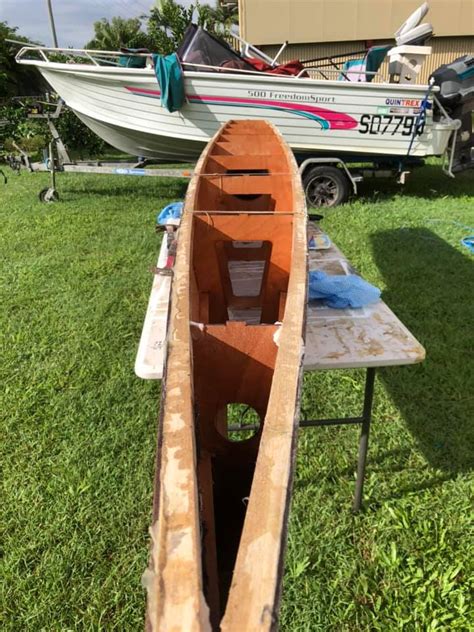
(411, 32)
(456, 95)
(407, 58)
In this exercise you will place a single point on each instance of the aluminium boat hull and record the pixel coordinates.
(314, 116)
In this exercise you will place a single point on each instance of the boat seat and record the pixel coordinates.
(353, 70)
(363, 69)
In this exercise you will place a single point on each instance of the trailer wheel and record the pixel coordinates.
(326, 186)
(48, 195)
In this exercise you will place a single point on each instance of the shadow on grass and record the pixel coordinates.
(424, 182)
(430, 286)
(404, 490)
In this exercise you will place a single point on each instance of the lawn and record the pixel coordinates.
(78, 427)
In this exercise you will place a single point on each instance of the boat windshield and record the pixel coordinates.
(202, 51)
(201, 48)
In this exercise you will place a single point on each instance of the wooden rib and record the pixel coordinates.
(245, 184)
(223, 163)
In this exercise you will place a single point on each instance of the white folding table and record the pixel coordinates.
(368, 338)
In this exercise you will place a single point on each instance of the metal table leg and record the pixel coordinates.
(364, 438)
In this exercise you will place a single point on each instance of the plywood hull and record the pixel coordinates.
(315, 116)
(221, 500)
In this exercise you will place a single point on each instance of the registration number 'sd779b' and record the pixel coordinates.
(390, 124)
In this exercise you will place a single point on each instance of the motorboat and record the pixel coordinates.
(327, 108)
(332, 111)
(222, 494)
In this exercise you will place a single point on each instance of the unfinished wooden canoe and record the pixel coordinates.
(221, 501)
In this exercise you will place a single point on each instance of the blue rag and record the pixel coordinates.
(172, 211)
(341, 291)
(170, 77)
(469, 243)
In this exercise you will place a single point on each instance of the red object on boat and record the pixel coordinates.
(293, 67)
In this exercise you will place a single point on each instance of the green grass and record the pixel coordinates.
(78, 428)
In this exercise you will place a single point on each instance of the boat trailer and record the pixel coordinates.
(328, 181)
(58, 160)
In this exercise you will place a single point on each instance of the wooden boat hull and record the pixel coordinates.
(221, 502)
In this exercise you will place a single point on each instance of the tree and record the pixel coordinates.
(223, 17)
(15, 79)
(168, 21)
(166, 25)
(118, 33)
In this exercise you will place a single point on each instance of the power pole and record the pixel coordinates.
(51, 21)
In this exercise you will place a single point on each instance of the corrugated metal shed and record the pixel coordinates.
(445, 49)
(306, 21)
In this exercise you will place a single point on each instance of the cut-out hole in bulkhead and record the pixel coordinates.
(246, 277)
(243, 422)
(247, 244)
(247, 172)
(249, 197)
(250, 315)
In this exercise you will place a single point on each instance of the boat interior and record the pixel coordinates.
(241, 261)
(202, 51)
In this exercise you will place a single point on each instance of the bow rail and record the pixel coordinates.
(31, 55)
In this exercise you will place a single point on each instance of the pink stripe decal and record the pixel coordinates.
(335, 120)
(154, 93)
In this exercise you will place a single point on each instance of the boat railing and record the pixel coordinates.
(341, 74)
(300, 75)
(100, 58)
(223, 69)
(249, 50)
(33, 54)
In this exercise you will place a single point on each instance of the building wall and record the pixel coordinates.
(444, 50)
(307, 21)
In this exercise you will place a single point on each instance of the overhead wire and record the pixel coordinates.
(128, 6)
(125, 8)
